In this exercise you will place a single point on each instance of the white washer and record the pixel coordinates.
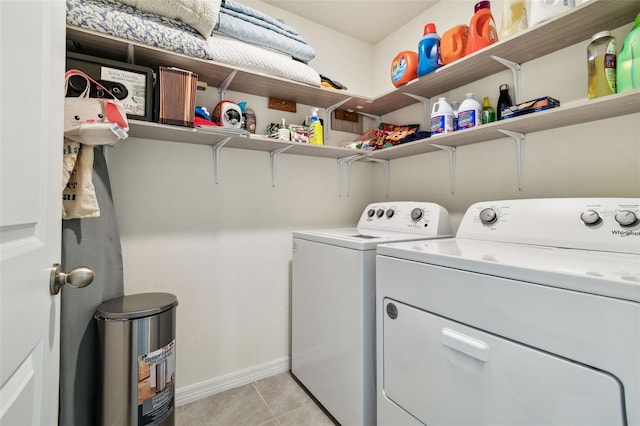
(530, 316)
(333, 297)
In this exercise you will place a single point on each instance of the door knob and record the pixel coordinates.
(79, 277)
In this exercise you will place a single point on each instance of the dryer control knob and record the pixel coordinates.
(390, 213)
(626, 218)
(488, 216)
(416, 214)
(590, 217)
(380, 213)
(371, 212)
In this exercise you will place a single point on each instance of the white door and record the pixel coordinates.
(32, 43)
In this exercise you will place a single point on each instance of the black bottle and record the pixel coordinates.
(504, 100)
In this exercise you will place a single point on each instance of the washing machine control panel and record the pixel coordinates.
(412, 217)
(608, 224)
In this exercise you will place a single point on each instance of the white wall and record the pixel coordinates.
(225, 249)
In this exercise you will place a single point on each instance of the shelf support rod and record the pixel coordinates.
(348, 163)
(274, 156)
(387, 171)
(452, 164)
(378, 118)
(225, 85)
(131, 54)
(425, 104)
(329, 111)
(341, 162)
(216, 157)
(515, 72)
(519, 139)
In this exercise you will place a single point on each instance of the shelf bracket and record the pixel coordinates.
(515, 73)
(519, 139)
(346, 160)
(387, 170)
(348, 163)
(216, 156)
(225, 85)
(452, 164)
(378, 118)
(329, 112)
(131, 54)
(274, 156)
(425, 104)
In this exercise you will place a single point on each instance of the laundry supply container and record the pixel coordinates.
(138, 359)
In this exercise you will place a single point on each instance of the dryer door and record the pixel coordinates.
(443, 372)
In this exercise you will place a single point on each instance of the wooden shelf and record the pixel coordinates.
(564, 30)
(212, 136)
(214, 73)
(566, 115)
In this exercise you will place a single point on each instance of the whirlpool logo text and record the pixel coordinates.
(623, 233)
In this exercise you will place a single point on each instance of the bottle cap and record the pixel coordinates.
(485, 4)
(504, 87)
(600, 35)
(430, 28)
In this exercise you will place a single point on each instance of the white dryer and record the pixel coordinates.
(333, 297)
(530, 316)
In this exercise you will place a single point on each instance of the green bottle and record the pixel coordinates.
(628, 67)
(488, 112)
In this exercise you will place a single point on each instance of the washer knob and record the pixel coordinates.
(626, 218)
(390, 213)
(371, 212)
(416, 214)
(380, 213)
(590, 217)
(488, 216)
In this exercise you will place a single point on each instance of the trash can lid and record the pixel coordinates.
(136, 306)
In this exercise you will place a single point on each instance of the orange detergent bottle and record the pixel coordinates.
(404, 68)
(453, 44)
(482, 30)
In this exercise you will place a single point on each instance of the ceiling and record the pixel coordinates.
(366, 20)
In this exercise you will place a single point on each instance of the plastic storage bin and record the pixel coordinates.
(137, 348)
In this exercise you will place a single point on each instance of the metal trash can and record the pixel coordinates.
(138, 360)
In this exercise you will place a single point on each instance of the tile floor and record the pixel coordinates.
(274, 401)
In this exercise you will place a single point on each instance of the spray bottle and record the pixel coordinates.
(315, 129)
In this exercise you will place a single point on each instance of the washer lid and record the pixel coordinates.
(136, 306)
(596, 272)
(357, 238)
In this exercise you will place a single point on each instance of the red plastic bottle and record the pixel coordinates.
(482, 29)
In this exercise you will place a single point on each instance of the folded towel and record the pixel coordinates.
(199, 14)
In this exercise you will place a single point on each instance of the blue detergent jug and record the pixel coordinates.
(429, 51)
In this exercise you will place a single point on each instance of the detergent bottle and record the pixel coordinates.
(488, 112)
(469, 113)
(453, 44)
(514, 18)
(429, 51)
(482, 30)
(628, 64)
(404, 67)
(601, 56)
(541, 10)
(441, 117)
(315, 129)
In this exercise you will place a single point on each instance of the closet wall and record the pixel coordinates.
(225, 249)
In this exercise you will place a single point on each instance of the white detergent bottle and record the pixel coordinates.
(441, 117)
(469, 113)
(541, 10)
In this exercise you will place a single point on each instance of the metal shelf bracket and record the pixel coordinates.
(329, 112)
(515, 72)
(425, 104)
(273, 157)
(225, 85)
(452, 164)
(387, 170)
(519, 139)
(346, 160)
(216, 157)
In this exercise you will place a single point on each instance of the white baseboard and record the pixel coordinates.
(210, 387)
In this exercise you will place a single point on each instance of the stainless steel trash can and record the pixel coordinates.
(138, 359)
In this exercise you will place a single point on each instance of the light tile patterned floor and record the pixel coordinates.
(274, 401)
